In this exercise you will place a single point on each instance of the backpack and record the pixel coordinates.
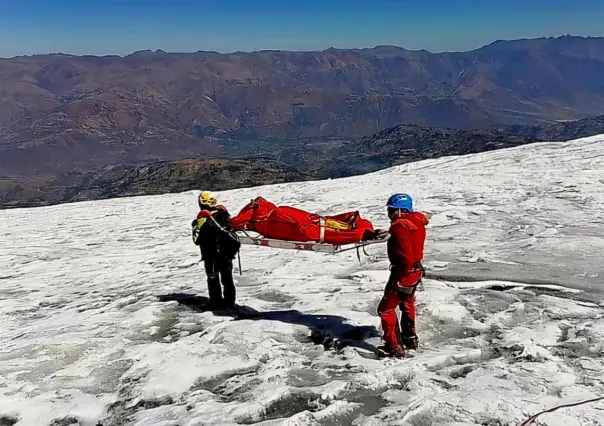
(228, 241)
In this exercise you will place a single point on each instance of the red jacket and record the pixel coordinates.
(406, 248)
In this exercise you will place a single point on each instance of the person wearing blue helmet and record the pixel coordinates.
(405, 252)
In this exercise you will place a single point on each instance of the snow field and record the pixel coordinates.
(85, 338)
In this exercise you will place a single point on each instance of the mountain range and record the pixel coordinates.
(65, 120)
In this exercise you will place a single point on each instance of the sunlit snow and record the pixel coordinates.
(85, 338)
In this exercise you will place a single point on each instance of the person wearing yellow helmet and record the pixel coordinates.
(207, 199)
(218, 247)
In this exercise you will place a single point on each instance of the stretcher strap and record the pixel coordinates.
(322, 231)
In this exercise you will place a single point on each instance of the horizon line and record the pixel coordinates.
(299, 50)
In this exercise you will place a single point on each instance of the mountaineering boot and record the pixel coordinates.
(390, 351)
(411, 342)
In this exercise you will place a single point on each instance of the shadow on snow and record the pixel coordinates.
(331, 331)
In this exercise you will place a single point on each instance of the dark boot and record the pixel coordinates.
(411, 342)
(389, 351)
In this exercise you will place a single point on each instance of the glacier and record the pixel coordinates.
(103, 321)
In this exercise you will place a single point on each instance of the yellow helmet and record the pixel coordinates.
(207, 198)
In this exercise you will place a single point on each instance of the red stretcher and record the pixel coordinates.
(264, 224)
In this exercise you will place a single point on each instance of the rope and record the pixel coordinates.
(551, 410)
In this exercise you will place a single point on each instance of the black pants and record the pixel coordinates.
(220, 271)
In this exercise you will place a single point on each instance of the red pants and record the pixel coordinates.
(404, 299)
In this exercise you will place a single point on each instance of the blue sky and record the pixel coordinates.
(124, 26)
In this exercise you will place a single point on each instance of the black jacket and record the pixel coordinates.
(213, 236)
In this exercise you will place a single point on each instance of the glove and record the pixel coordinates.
(204, 213)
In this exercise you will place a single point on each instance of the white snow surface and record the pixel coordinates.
(85, 339)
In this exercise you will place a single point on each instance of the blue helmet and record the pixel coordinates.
(400, 201)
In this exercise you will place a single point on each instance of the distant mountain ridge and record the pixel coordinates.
(560, 131)
(59, 112)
